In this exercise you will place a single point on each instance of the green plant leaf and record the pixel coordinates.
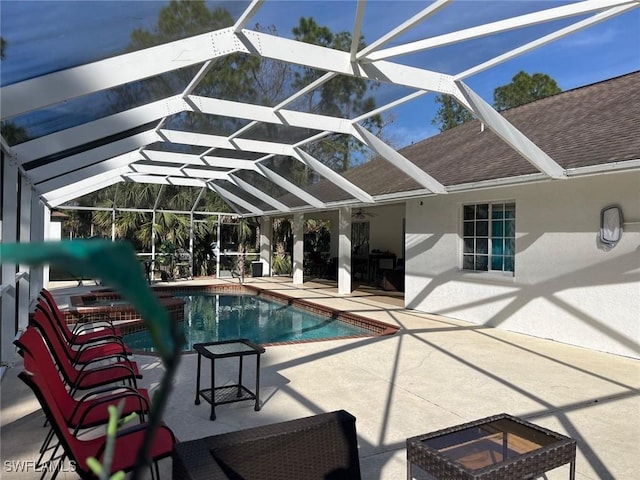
(94, 465)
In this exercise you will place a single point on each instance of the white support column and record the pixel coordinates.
(24, 236)
(38, 214)
(335, 234)
(113, 225)
(191, 242)
(7, 280)
(298, 248)
(265, 245)
(219, 246)
(47, 238)
(344, 251)
(153, 245)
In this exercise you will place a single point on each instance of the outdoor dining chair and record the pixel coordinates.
(127, 443)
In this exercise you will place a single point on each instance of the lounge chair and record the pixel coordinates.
(128, 440)
(83, 332)
(84, 378)
(88, 411)
(83, 354)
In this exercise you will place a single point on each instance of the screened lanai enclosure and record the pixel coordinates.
(184, 116)
(229, 97)
(178, 232)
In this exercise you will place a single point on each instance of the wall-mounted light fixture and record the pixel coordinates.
(611, 223)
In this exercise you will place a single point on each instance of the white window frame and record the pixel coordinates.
(471, 251)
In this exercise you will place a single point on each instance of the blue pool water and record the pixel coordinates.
(215, 317)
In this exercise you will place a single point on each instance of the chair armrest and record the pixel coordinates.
(85, 367)
(110, 356)
(125, 432)
(99, 391)
(107, 337)
(131, 374)
(95, 319)
(109, 399)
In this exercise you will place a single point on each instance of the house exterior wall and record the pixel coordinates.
(565, 287)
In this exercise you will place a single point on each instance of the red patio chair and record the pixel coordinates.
(86, 412)
(84, 378)
(128, 440)
(82, 333)
(79, 335)
(83, 354)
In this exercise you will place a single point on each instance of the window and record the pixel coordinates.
(488, 237)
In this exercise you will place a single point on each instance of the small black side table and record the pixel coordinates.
(229, 393)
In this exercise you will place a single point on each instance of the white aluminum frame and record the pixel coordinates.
(63, 178)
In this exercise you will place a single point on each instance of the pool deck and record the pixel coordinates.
(434, 373)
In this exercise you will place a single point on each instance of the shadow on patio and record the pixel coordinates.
(434, 373)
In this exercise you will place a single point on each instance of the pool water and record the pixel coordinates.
(104, 303)
(216, 317)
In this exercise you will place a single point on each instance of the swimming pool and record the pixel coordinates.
(212, 317)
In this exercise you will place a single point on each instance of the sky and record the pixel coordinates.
(47, 35)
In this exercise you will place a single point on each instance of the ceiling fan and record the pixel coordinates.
(361, 214)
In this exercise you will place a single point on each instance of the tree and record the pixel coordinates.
(342, 96)
(75, 225)
(172, 229)
(450, 114)
(524, 88)
(229, 77)
(243, 78)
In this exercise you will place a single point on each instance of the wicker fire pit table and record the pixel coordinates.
(499, 447)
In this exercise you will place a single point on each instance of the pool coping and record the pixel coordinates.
(376, 327)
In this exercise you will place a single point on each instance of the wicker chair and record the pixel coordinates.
(321, 447)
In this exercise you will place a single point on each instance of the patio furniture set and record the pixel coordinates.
(322, 446)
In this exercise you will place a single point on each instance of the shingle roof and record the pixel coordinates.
(591, 125)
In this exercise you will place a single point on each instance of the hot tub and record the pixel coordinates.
(109, 304)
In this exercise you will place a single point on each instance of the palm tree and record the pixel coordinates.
(281, 234)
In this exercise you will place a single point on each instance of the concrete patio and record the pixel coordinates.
(434, 373)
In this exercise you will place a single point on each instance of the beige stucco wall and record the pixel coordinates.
(565, 287)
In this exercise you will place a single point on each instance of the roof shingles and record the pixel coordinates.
(591, 125)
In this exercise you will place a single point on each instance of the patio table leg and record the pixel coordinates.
(213, 396)
(197, 402)
(240, 379)
(257, 406)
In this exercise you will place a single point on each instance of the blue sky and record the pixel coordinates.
(45, 36)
